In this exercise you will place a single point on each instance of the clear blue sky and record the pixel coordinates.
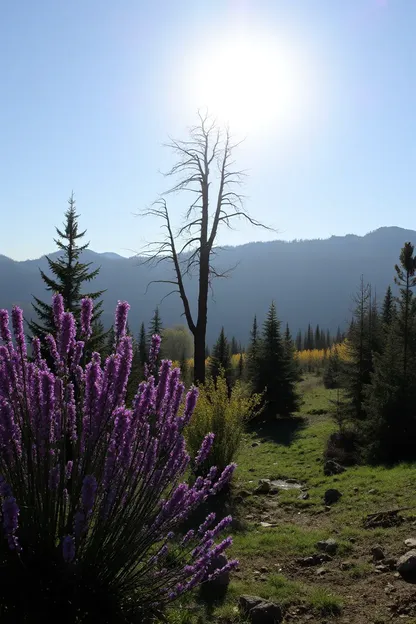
(90, 89)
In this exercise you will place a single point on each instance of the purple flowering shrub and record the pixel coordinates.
(92, 491)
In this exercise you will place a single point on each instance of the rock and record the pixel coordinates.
(346, 565)
(373, 491)
(332, 468)
(249, 517)
(329, 546)
(389, 588)
(246, 603)
(356, 489)
(303, 496)
(263, 487)
(390, 562)
(321, 571)
(264, 569)
(291, 481)
(332, 496)
(323, 558)
(265, 613)
(223, 579)
(410, 543)
(266, 525)
(256, 573)
(255, 444)
(407, 563)
(377, 553)
(306, 561)
(382, 568)
(244, 493)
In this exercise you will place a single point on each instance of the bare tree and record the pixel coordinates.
(205, 169)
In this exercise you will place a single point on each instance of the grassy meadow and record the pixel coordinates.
(347, 589)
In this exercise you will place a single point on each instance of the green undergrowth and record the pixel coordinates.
(294, 448)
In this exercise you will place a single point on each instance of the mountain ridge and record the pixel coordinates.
(310, 281)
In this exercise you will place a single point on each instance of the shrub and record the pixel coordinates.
(342, 447)
(91, 493)
(222, 415)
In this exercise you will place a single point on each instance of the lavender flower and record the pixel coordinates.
(68, 470)
(57, 310)
(36, 350)
(205, 449)
(68, 549)
(5, 334)
(121, 320)
(10, 521)
(86, 317)
(18, 329)
(153, 354)
(67, 334)
(89, 488)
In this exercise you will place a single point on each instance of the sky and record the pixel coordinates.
(323, 94)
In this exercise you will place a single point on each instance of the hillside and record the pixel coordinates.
(310, 281)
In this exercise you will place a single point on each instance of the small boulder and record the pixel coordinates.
(377, 553)
(321, 571)
(303, 496)
(307, 561)
(373, 491)
(407, 563)
(263, 487)
(332, 468)
(332, 496)
(410, 543)
(267, 525)
(346, 565)
(246, 603)
(329, 546)
(265, 613)
(381, 567)
(255, 444)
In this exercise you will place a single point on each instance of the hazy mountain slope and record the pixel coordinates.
(310, 281)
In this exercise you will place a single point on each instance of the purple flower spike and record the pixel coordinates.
(58, 310)
(205, 449)
(86, 317)
(10, 520)
(121, 319)
(36, 350)
(89, 488)
(4, 326)
(67, 335)
(68, 549)
(18, 329)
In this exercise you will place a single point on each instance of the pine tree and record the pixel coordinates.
(290, 354)
(388, 308)
(309, 339)
(317, 337)
(156, 325)
(364, 340)
(142, 346)
(276, 376)
(390, 432)
(234, 346)
(333, 371)
(338, 338)
(328, 339)
(253, 355)
(299, 343)
(69, 275)
(221, 359)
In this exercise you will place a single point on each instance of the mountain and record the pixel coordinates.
(310, 281)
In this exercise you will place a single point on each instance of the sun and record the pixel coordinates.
(251, 83)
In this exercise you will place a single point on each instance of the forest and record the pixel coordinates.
(151, 477)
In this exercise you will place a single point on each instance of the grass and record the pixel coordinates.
(294, 448)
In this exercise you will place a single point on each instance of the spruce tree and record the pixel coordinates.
(388, 308)
(363, 341)
(221, 359)
(309, 339)
(299, 343)
(142, 346)
(390, 430)
(277, 377)
(68, 278)
(317, 337)
(253, 355)
(290, 354)
(234, 346)
(328, 339)
(338, 338)
(155, 324)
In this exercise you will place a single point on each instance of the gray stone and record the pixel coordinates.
(267, 525)
(373, 491)
(346, 565)
(410, 543)
(382, 568)
(321, 571)
(255, 444)
(407, 563)
(329, 546)
(246, 603)
(265, 613)
(263, 487)
(377, 553)
(303, 496)
(223, 579)
(332, 496)
(332, 468)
